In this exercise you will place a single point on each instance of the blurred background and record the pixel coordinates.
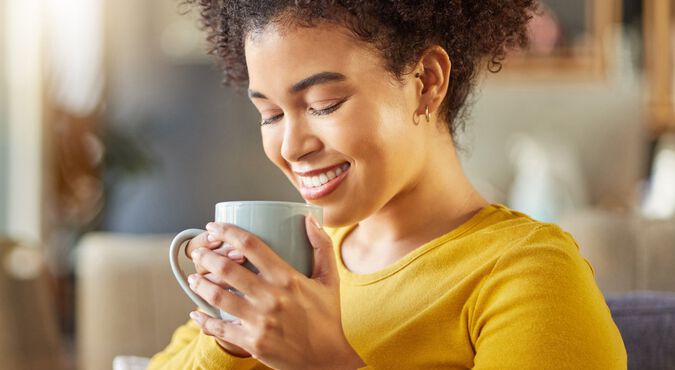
(115, 133)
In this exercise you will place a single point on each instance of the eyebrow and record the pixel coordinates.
(315, 79)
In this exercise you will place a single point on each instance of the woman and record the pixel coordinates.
(360, 105)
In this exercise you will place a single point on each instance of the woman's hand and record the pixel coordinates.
(287, 321)
(203, 240)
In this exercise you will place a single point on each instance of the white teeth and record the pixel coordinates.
(323, 178)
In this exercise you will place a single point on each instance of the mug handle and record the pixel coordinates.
(174, 250)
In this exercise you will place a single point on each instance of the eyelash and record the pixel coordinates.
(318, 112)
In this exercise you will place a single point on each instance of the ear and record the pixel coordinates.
(434, 77)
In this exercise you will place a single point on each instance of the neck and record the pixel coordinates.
(438, 200)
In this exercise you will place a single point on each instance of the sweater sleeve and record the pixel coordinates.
(190, 348)
(540, 309)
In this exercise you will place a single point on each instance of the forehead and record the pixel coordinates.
(282, 57)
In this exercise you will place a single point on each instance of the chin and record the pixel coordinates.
(336, 212)
(339, 216)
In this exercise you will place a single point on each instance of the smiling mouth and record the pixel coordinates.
(316, 181)
(320, 185)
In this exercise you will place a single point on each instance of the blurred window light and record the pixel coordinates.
(660, 197)
(23, 31)
(75, 54)
(3, 125)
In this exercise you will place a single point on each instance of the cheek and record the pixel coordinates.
(386, 147)
(272, 146)
(378, 128)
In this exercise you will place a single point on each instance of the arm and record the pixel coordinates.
(540, 308)
(191, 349)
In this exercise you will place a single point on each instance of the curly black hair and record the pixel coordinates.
(472, 32)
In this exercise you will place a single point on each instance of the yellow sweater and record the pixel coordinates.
(501, 291)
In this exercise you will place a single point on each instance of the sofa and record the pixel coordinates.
(127, 300)
(647, 324)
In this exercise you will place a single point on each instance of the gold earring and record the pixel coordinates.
(426, 114)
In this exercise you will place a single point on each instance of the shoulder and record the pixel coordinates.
(535, 262)
(528, 254)
(504, 234)
(539, 283)
(514, 232)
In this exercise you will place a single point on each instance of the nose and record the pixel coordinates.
(299, 140)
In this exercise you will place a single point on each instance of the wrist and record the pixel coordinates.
(355, 363)
(350, 359)
(232, 350)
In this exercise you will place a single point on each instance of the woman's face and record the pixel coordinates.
(335, 121)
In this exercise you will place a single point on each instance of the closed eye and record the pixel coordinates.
(329, 110)
(315, 112)
(267, 121)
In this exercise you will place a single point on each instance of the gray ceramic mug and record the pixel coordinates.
(281, 225)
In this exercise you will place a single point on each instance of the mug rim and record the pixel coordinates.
(266, 203)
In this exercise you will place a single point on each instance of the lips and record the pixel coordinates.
(321, 184)
(316, 178)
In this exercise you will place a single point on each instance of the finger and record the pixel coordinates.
(231, 252)
(325, 267)
(221, 298)
(205, 240)
(201, 270)
(216, 279)
(254, 249)
(201, 241)
(231, 332)
(230, 271)
(227, 250)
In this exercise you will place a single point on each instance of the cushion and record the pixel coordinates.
(647, 324)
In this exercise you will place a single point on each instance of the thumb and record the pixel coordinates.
(325, 269)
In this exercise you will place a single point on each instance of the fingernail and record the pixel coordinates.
(210, 238)
(194, 315)
(210, 226)
(315, 222)
(234, 253)
(192, 278)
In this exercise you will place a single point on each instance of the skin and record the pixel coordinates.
(405, 187)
